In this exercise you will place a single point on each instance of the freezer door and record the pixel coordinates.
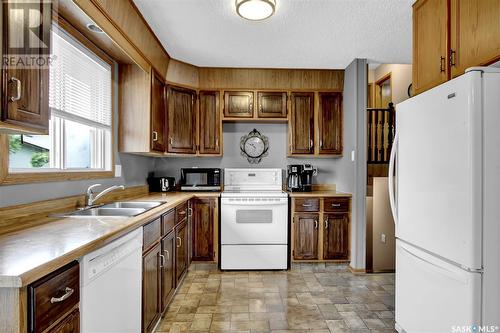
(439, 170)
(432, 295)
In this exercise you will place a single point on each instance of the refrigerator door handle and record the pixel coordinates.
(392, 160)
(456, 275)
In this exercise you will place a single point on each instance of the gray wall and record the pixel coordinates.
(134, 172)
(330, 170)
(355, 90)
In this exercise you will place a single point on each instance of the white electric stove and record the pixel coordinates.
(254, 220)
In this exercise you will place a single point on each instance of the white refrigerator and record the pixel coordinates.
(446, 206)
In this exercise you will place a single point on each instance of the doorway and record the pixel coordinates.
(387, 85)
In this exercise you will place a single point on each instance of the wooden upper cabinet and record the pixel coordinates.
(330, 123)
(238, 104)
(475, 34)
(25, 91)
(203, 229)
(336, 236)
(210, 122)
(181, 115)
(305, 239)
(302, 123)
(271, 104)
(430, 49)
(151, 273)
(158, 112)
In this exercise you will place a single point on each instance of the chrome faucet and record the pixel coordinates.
(90, 198)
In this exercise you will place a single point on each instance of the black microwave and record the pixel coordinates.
(200, 179)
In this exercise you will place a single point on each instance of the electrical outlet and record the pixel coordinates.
(118, 170)
(383, 238)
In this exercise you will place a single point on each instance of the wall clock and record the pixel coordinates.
(254, 146)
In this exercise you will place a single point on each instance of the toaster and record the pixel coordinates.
(161, 184)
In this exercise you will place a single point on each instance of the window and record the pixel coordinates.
(80, 128)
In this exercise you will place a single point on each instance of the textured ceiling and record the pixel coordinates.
(301, 34)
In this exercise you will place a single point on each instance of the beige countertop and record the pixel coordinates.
(316, 194)
(29, 254)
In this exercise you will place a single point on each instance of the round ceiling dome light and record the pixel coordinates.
(255, 10)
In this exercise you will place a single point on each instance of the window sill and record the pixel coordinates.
(55, 176)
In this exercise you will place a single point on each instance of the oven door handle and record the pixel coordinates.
(254, 203)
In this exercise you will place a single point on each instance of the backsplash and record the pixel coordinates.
(330, 170)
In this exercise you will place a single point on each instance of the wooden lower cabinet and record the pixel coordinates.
(167, 269)
(321, 229)
(70, 324)
(181, 254)
(203, 229)
(151, 273)
(336, 236)
(305, 239)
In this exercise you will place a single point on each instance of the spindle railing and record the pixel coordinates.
(381, 129)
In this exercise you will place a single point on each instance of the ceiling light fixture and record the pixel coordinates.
(255, 10)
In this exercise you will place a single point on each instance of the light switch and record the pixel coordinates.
(353, 155)
(382, 238)
(118, 170)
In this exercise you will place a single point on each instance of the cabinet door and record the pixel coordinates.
(203, 229)
(151, 274)
(302, 123)
(181, 250)
(336, 236)
(430, 49)
(305, 236)
(181, 116)
(167, 269)
(330, 123)
(26, 90)
(238, 104)
(271, 104)
(158, 112)
(70, 324)
(210, 123)
(475, 31)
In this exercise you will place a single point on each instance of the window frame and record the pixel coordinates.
(9, 178)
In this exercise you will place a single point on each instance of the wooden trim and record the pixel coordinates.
(356, 270)
(27, 215)
(102, 19)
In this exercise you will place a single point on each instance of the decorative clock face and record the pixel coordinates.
(254, 146)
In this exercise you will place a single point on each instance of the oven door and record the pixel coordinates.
(254, 221)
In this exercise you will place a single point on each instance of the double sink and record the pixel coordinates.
(116, 209)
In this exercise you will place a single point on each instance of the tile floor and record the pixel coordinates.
(305, 299)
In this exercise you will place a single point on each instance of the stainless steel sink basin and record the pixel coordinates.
(119, 208)
(133, 204)
(103, 211)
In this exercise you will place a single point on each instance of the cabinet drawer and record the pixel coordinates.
(180, 212)
(336, 204)
(167, 222)
(306, 204)
(151, 233)
(51, 297)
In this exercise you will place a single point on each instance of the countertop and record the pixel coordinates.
(27, 255)
(316, 194)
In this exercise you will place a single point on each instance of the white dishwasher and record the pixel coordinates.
(111, 287)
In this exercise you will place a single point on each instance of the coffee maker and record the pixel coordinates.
(300, 177)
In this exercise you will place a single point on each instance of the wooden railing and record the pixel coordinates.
(381, 129)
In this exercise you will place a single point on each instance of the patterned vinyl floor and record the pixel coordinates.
(305, 299)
